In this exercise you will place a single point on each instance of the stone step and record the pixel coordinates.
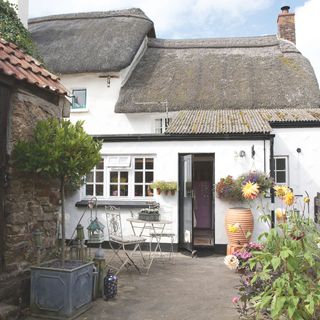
(8, 312)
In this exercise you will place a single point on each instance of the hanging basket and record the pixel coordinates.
(244, 218)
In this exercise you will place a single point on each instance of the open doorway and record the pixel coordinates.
(196, 201)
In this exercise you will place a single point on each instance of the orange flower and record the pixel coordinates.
(281, 191)
(288, 198)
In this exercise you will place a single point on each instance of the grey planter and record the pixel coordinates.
(61, 293)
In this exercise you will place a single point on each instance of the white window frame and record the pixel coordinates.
(79, 109)
(286, 158)
(118, 170)
(161, 124)
(144, 171)
(95, 183)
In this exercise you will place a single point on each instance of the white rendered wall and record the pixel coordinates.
(166, 168)
(23, 10)
(100, 117)
(304, 167)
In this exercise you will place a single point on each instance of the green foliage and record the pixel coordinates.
(164, 185)
(284, 281)
(12, 29)
(58, 149)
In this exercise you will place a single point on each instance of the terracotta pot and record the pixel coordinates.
(158, 191)
(173, 192)
(244, 218)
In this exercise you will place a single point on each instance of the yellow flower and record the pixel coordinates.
(281, 191)
(281, 214)
(250, 190)
(306, 199)
(233, 228)
(288, 198)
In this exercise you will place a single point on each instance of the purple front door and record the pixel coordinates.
(202, 204)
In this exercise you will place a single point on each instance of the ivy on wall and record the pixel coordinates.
(12, 29)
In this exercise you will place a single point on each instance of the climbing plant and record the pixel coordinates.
(12, 29)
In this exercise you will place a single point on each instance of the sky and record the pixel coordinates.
(208, 18)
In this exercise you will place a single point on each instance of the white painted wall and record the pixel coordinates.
(23, 10)
(100, 117)
(166, 168)
(304, 167)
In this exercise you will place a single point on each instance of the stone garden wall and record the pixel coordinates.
(31, 202)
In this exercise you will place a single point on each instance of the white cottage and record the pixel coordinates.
(190, 111)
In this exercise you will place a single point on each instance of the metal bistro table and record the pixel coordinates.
(155, 227)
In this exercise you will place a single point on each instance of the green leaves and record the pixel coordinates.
(12, 30)
(58, 149)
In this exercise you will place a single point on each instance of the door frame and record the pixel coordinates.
(180, 200)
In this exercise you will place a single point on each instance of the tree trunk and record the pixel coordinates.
(63, 221)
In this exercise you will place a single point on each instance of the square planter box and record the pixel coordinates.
(58, 293)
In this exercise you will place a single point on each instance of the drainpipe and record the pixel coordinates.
(272, 175)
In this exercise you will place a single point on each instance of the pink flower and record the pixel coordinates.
(235, 300)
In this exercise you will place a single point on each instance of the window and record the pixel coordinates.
(281, 170)
(95, 181)
(143, 176)
(119, 183)
(161, 125)
(79, 99)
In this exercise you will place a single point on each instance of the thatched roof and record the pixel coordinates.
(231, 73)
(90, 42)
(238, 121)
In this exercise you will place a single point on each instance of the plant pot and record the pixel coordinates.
(244, 218)
(166, 192)
(173, 192)
(158, 191)
(58, 293)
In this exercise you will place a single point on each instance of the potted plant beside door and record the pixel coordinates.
(60, 151)
(239, 221)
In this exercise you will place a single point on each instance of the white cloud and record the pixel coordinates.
(308, 32)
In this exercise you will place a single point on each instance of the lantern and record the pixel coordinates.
(95, 231)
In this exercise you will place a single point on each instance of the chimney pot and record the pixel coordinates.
(285, 9)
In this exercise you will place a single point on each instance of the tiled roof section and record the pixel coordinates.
(19, 65)
(237, 121)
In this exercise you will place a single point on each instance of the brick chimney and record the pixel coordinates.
(286, 25)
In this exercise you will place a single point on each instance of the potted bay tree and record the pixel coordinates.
(62, 151)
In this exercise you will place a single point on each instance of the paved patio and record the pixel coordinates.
(199, 288)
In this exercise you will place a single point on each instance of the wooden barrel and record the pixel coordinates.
(244, 218)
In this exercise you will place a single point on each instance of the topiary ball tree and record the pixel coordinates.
(59, 150)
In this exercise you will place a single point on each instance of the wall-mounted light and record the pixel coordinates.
(253, 152)
(108, 82)
(299, 150)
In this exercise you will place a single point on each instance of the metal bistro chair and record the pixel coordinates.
(121, 242)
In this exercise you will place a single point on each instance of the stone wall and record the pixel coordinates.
(30, 202)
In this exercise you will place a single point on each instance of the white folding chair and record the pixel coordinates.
(120, 242)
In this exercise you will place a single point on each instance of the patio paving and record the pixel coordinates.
(199, 288)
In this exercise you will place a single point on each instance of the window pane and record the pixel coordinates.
(89, 190)
(124, 190)
(99, 190)
(79, 99)
(280, 164)
(138, 163)
(100, 165)
(113, 176)
(113, 190)
(99, 176)
(138, 176)
(148, 191)
(124, 177)
(149, 163)
(89, 177)
(158, 126)
(138, 190)
(149, 177)
(280, 177)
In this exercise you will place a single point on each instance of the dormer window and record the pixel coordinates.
(79, 99)
(161, 125)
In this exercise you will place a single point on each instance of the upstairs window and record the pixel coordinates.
(95, 181)
(281, 170)
(161, 125)
(79, 99)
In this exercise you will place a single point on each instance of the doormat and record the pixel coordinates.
(202, 241)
